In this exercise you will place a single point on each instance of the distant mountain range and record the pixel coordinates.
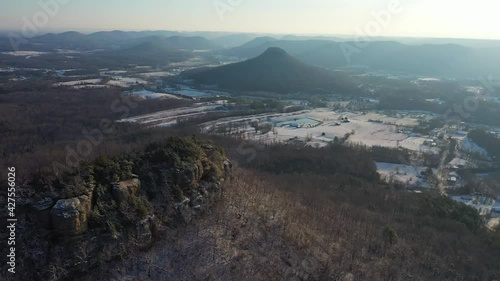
(256, 42)
(190, 43)
(111, 40)
(172, 43)
(464, 58)
(441, 60)
(273, 70)
(233, 40)
(155, 51)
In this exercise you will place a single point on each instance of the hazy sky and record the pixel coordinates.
(416, 18)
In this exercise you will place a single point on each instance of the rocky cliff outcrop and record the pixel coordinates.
(117, 206)
(70, 216)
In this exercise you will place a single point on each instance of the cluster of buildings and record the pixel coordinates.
(430, 142)
(453, 177)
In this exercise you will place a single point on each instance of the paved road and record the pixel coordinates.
(442, 174)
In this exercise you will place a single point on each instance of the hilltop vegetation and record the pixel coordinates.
(107, 208)
(274, 70)
(37, 127)
(311, 226)
(102, 199)
(391, 56)
(289, 212)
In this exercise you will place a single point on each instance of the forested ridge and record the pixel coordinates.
(283, 212)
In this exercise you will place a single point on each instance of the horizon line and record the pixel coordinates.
(352, 36)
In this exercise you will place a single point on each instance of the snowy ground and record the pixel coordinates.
(113, 72)
(493, 223)
(467, 145)
(80, 82)
(171, 117)
(152, 95)
(409, 175)
(372, 129)
(190, 92)
(459, 162)
(25, 53)
(116, 81)
(88, 86)
(126, 82)
(156, 74)
(63, 51)
(482, 204)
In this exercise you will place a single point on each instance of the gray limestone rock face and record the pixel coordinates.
(70, 216)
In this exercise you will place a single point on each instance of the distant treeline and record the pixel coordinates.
(335, 159)
(37, 127)
(487, 113)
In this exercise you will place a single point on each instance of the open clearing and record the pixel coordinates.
(116, 81)
(152, 95)
(126, 82)
(372, 129)
(25, 53)
(171, 117)
(482, 204)
(409, 175)
(80, 82)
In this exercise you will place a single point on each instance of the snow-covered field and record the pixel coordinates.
(152, 95)
(372, 129)
(25, 53)
(79, 82)
(467, 145)
(63, 51)
(90, 86)
(459, 162)
(188, 91)
(428, 79)
(126, 82)
(384, 132)
(482, 204)
(493, 223)
(409, 175)
(116, 81)
(112, 72)
(157, 74)
(399, 119)
(171, 117)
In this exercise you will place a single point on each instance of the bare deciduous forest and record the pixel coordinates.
(292, 213)
(306, 227)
